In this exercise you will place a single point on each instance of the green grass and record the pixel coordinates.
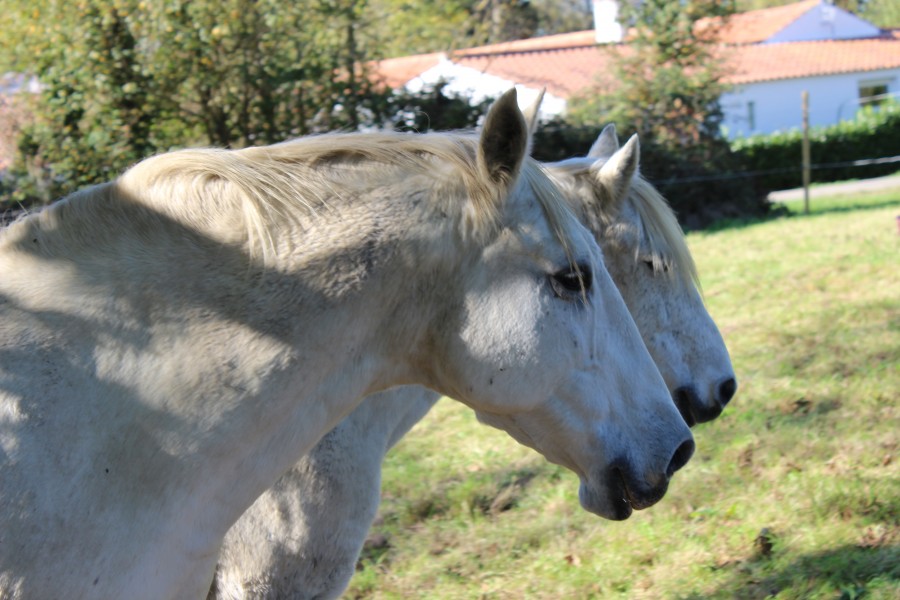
(793, 493)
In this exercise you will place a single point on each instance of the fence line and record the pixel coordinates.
(744, 174)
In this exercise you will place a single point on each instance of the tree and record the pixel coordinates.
(94, 116)
(406, 27)
(884, 13)
(403, 27)
(259, 71)
(502, 20)
(124, 78)
(665, 85)
(562, 16)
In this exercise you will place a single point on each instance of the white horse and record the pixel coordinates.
(301, 539)
(155, 332)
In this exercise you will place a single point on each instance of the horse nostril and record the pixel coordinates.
(726, 391)
(681, 457)
(684, 397)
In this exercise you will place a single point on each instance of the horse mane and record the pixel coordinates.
(659, 226)
(251, 193)
(290, 180)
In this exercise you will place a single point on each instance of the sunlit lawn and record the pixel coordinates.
(793, 493)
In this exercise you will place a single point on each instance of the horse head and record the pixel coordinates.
(540, 343)
(648, 258)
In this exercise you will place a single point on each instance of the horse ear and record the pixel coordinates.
(504, 140)
(531, 113)
(607, 143)
(531, 117)
(617, 172)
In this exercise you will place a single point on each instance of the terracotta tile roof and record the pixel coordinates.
(759, 25)
(768, 62)
(395, 72)
(563, 71)
(577, 39)
(570, 62)
(528, 62)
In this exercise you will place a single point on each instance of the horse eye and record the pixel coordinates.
(571, 283)
(649, 263)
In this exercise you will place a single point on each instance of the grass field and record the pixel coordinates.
(793, 493)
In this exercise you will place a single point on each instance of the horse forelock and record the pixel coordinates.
(665, 237)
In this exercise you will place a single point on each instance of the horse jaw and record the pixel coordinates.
(604, 414)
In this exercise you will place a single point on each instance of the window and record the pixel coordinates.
(872, 93)
(751, 115)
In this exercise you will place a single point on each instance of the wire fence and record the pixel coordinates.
(793, 169)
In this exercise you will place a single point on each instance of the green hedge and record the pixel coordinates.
(708, 184)
(775, 159)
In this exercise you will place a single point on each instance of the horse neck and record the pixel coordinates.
(353, 316)
(233, 368)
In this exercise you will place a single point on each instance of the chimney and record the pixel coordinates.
(607, 29)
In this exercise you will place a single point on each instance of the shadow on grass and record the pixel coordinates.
(839, 205)
(847, 572)
(818, 207)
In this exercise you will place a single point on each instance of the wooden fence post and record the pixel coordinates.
(805, 152)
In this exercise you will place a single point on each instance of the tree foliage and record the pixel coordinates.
(258, 71)
(563, 16)
(402, 27)
(665, 84)
(93, 116)
(883, 13)
(502, 20)
(126, 78)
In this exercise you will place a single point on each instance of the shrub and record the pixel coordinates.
(775, 159)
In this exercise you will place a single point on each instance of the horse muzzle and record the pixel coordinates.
(618, 490)
(695, 410)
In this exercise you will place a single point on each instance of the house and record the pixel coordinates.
(772, 55)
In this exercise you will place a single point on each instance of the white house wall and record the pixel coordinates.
(776, 105)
